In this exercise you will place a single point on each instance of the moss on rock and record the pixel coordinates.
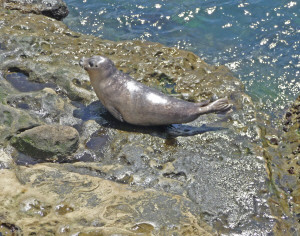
(13, 120)
(47, 142)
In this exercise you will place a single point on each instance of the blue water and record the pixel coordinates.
(258, 40)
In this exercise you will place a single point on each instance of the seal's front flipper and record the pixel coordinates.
(115, 113)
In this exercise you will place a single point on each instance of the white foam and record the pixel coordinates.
(154, 98)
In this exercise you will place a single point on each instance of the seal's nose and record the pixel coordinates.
(81, 61)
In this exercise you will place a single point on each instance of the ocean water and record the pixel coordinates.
(257, 39)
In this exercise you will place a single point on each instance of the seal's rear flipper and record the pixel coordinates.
(226, 111)
(219, 106)
(204, 103)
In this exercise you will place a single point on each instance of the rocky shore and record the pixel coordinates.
(69, 168)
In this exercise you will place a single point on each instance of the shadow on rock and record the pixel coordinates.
(96, 111)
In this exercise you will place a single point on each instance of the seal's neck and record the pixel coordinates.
(104, 74)
(94, 75)
(97, 77)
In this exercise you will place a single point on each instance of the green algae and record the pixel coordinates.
(7, 118)
(3, 95)
(47, 142)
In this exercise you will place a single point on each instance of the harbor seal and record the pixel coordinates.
(133, 102)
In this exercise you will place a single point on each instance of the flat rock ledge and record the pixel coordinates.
(56, 9)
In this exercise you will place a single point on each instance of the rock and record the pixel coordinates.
(273, 139)
(5, 89)
(45, 104)
(6, 161)
(292, 116)
(56, 9)
(284, 160)
(61, 201)
(14, 120)
(47, 142)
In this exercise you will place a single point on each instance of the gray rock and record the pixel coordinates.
(14, 120)
(56, 9)
(47, 142)
(6, 161)
(5, 89)
(45, 104)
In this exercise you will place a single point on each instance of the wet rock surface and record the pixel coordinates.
(203, 178)
(284, 168)
(56, 9)
(292, 117)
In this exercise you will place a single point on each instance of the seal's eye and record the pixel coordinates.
(91, 64)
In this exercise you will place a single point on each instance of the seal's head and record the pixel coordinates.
(98, 66)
